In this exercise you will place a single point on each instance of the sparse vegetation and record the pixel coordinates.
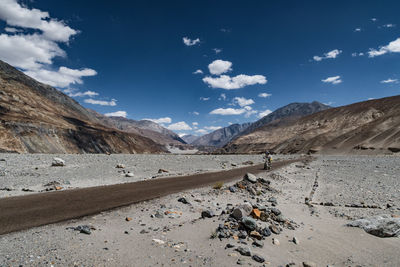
(218, 185)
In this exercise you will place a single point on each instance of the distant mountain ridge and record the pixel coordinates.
(37, 118)
(371, 126)
(220, 137)
(188, 138)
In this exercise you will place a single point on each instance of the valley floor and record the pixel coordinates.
(168, 232)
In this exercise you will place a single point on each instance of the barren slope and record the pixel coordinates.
(36, 118)
(371, 126)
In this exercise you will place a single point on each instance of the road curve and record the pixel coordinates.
(23, 212)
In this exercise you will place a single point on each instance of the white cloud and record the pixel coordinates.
(189, 42)
(229, 83)
(160, 120)
(73, 93)
(16, 15)
(204, 98)
(264, 113)
(219, 66)
(198, 72)
(332, 80)
(374, 19)
(201, 131)
(117, 114)
(392, 47)
(217, 50)
(228, 111)
(241, 101)
(112, 103)
(64, 77)
(195, 123)
(212, 128)
(264, 95)
(357, 29)
(34, 52)
(179, 126)
(195, 113)
(390, 25)
(12, 30)
(390, 81)
(222, 97)
(331, 54)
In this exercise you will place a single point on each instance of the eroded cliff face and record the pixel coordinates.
(36, 118)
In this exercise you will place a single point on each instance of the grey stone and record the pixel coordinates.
(265, 232)
(233, 189)
(258, 243)
(249, 223)
(244, 251)
(250, 177)
(183, 200)
(241, 211)
(258, 258)
(380, 225)
(58, 162)
(207, 214)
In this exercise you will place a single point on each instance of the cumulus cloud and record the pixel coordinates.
(198, 72)
(264, 113)
(35, 51)
(64, 77)
(179, 126)
(16, 15)
(189, 42)
(374, 19)
(357, 29)
(204, 98)
(195, 123)
(332, 80)
(212, 128)
(160, 120)
(74, 93)
(222, 97)
(230, 83)
(241, 101)
(112, 103)
(392, 47)
(117, 114)
(201, 131)
(331, 54)
(390, 81)
(219, 66)
(228, 111)
(196, 113)
(389, 25)
(264, 95)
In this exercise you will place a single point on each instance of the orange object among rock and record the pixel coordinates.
(128, 219)
(58, 188)
(256, 213)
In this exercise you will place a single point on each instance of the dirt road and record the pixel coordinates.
(23, 212)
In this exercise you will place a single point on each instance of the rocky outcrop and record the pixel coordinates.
(37, 118)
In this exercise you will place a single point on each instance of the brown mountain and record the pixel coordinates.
(371, 127)
(37, 118)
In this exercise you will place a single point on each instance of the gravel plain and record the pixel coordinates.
(169, 232)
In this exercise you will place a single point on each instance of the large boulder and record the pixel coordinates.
(58, 162)
(242, 211)
(250, 177)
(380, 225)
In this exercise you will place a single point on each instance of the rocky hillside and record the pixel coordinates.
(371, 127)
(189, 138)
(293, 110)
(37, 118)
(145, 128)
(220, 137)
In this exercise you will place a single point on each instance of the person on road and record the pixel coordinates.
(268, 160)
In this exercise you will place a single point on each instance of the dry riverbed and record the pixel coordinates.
(294, 216)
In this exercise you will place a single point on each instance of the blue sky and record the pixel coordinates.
(139, 58)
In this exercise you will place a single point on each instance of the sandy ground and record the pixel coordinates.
(182, 238)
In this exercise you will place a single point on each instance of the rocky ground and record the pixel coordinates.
(30, 173)
(294, 216)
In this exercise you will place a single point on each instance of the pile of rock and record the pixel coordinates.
(255, 186)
